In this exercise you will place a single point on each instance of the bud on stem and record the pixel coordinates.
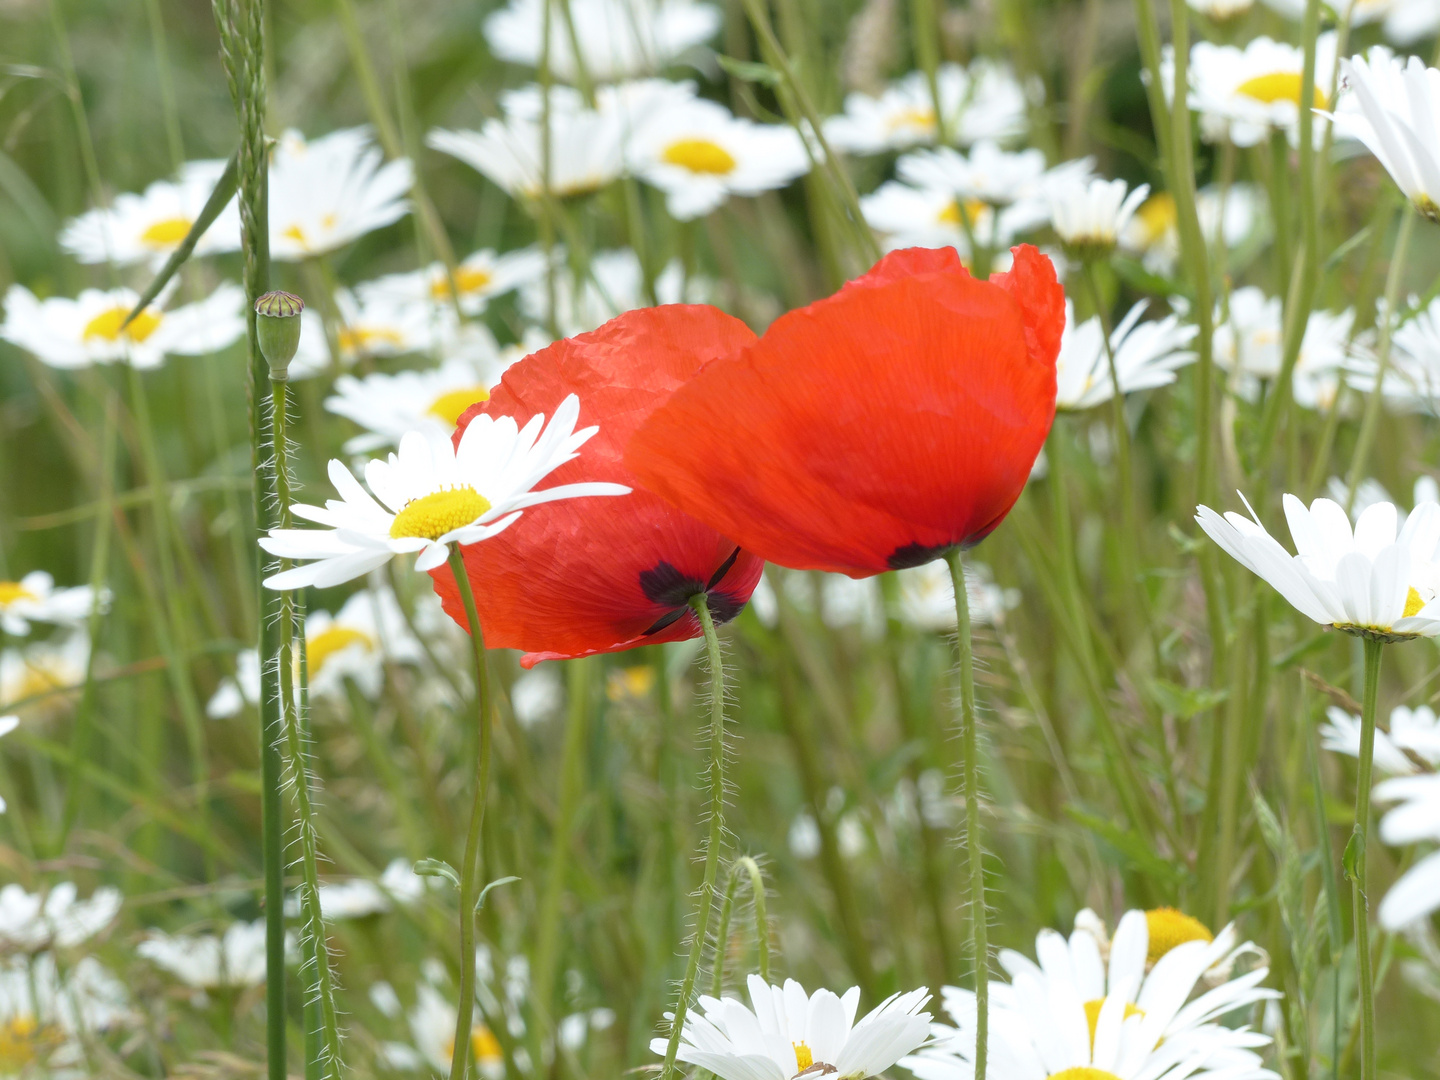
(277, 325)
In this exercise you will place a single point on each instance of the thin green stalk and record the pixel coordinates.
(744, 864)
(165, 78)
(716, 838)
(1360, 896)
(925, 37)
(465, 1015)
(970, 746)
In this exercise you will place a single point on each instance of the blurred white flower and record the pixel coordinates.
(983, 101)
(610, 285)
(331, 191)
(207, 961)
(804, 836)
(379, 325)
(45, 1016)
(233, 694)
(699, 155)
(1228, 217)
(432, 1026)
(992, 175)
(1415, 730)
(618, 38)
(1089, 214)
(1396, 114)
(1412, 381)
(1406, 22)
(927, 596)
(1248, 338)
(44, 670)
(1221, 10)
(1320, 368)
(7, 725)
(906, 216)
(536, 695)
(586, 146)
(1147, 355)
(479, 277)
(1370, 492)
(356, 642)
(1121, 1013)
(1367, 580)
(788, 1033)
(1417, 893)
(359, 897)
(54, 919)
(72, 334)
(432, 493)
(1244, 94)
(149, 226)
(34, 598)
(431, 402)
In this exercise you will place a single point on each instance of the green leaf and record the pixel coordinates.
(749, 71)
(219, 198)
(1353, 850)
(1131, 846)
(480, 900)
(438, 868)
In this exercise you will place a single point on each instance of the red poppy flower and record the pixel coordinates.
(597, 575)
(875, 429)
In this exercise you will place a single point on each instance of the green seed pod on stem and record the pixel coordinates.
(278, 327)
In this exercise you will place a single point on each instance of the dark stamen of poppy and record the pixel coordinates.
(902, 558)
(719, 575)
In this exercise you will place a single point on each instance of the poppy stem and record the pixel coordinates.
(716, 837)
(465, 1013)
(1355, 852)
(969, 741)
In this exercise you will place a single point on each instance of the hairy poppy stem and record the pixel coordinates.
(751, 869)
(969, 741)
(1365, 973)
(465, 1013)
(717, 828)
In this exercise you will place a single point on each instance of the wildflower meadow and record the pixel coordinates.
(753, 539)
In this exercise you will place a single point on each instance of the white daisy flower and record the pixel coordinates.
(356, 642)
(1414, 730)
(1090, 214)
(432, 402)
(927, 596)
(481, 276)
(536, 696)
(1250, 345)
(34, 598)
(586, 146)
(207, 961)
(1408, 22)
(432, 1026)
(1396, 114)
(331, 191)
(983, 101)
(146, 228)
(1370, 492)
(1417, 893)
(804, 836)
(7, 725)
(432, 494)
(1412, 381)
(45, 1016)
(990, 174)
(699, 155)
(1319, 371)
(906, 216)
(1078, 1016)
(54, 919)
(46, 671)
(72, 334)
(1367, 580)
(789, 1033)
(612, 284)
(618, 38)
(360, 897)
(1147, 355)
(1244, 94)
(233, 694)
(1228, 218)
(1221, 10)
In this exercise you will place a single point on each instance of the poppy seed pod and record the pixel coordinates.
(277, 326)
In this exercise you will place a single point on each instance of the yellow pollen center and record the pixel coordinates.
(107, 325)
(1092, 1014)
(451, 405)
(484, 1047)
(166, 234)
(467, 280)
(1277, 86)
(296, 233)
(973, 209)
(23, 1040)
(803, 1057)
(363, 338)
(432, 516)
(632, 682)
(327, 643)
(1413, 601)
(920, 119)
(1169, 928)
(12, 591)
(1157, 216)
(1083, 1072)
(700, 156)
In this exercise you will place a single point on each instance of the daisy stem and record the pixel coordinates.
(970, 743)
(464, 1017)
(1365, 973)
(716, 836)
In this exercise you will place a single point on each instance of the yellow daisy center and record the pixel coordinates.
(167, 233)
(484, 1047)
(1275, 87)
(23, 1040)
(1092, 1014)
(700, 156)
(451, 405)
(363, 338)
(106, 325)
(12, 591)
(921, 119)
(803, 1057)
(1413, 601)
(467, 279)
(296, 233)
(632, 682)
(1083, 1072)
(1169, 928)
(432, 516)
(1157, 216)
(327, 643)
(973, 208)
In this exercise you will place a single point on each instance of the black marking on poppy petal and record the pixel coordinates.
(723, 606)
(667, 586)
(902, 558)
(669, 618)
(719, 575)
